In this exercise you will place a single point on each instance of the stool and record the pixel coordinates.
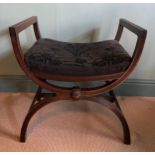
(105, 61)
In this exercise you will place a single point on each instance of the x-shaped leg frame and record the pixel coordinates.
(42, 99)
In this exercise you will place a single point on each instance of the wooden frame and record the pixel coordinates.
(63, 93)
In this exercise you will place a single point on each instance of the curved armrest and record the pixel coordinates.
(14, 34)
(141, 36)
(25, 24)
(139, 31)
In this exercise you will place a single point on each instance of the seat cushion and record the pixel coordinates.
(82, 59)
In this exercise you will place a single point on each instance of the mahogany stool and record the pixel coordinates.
(105, 61)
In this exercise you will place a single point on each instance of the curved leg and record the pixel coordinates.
(52, 98)
(112, 94)
(31, 112)
(36, 97)
(117, 112)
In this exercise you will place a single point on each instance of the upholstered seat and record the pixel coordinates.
(55, 57)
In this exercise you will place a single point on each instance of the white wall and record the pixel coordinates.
(78, 23)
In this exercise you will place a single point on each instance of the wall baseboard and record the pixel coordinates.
(132, 87)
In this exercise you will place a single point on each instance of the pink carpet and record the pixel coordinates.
(76, 126)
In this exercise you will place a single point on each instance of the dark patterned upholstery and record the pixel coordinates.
(100, 58)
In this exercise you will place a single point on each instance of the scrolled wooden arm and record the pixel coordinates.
(14, 34)
(17, 28)
(141, 37)
(137, 30)
(123, 23)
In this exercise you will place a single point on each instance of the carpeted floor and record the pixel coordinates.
(76, 126)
